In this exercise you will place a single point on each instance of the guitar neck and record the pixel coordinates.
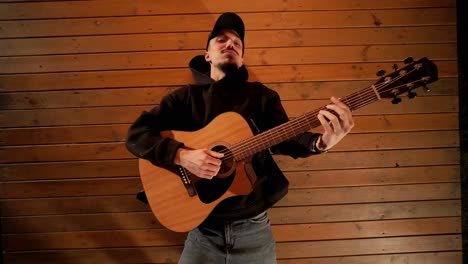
(301, 124)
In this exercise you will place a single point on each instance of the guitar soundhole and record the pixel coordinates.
(210, 190)
(228, 162)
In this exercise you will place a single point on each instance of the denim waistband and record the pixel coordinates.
(215, 222)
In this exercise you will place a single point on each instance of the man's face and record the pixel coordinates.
(225, 50)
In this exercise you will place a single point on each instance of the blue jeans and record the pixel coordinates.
(248, 241)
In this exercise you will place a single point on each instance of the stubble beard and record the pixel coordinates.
(227, 67)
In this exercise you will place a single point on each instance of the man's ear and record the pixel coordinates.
(207, 57)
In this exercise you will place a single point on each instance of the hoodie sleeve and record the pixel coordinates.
(300, 146)
(143, 138)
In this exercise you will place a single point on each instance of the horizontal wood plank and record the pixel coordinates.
(163, 237)
(371, 194)
(153, 95)
(145, 220)
(80, 222)
(64, 170)
(298, 179)
(92, 256)
(329, 161)
(375, 159)
(432, 104)
(368, 246)
(81, 116)
(278, 215)
(368, 176)
(93, 151)
(93, 222)
(128, 114)
(366, 229)
(372, 159)
(369, 211)
(121, 186)
(99, 151)
(258, 39)
(171, 255)
(117, 132)
(203, 22)
(93, 239)
(64, 9)
(256, 57)
(173, 77)
(72, 188)
(387, 123)
(73, 205)
(404, 140)
(284, 249)
(67, 134)
(413, 258)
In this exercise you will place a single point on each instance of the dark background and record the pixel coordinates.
(463, 95)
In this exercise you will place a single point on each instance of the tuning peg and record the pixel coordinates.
(380, 73)
(408, 60)
(396, 100)
(411, 94)
(395, 67)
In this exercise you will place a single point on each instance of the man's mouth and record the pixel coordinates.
(230, 52)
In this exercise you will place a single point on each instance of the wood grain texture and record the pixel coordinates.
(74, 75)
(170, 255)
(159, 237)
(203, 22)
(260, 39)
(126, 114)
(368, 246)
(117, 132)
(178, 77)
(259, 56)
(148, 7)
(152, 95)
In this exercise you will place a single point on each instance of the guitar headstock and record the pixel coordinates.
(414, 75)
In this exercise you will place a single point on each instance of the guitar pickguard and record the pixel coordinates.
(210, 190)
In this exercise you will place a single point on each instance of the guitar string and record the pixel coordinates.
(304, 121)
(265, 138)
(298, 122)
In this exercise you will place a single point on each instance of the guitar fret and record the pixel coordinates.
(296, 126)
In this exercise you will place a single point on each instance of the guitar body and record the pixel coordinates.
(167, 195)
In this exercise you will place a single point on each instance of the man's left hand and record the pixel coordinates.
(336, 126)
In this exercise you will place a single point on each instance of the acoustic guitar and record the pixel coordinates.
(181, 200)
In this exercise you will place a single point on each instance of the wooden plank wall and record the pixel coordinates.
(75, 74)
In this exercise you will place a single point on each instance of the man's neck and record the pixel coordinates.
(216, 73)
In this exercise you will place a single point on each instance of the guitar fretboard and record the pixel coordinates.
(301, 124)
(406, 79)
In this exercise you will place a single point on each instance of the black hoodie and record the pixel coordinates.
(192, 107)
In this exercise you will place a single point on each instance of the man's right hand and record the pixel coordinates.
(203, 163)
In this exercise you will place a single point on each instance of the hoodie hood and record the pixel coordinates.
(201, 72)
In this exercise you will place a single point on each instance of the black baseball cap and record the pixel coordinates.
(230, 21)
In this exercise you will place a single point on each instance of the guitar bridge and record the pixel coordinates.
(187, 181)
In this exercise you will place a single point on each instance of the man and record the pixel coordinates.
(238, 229)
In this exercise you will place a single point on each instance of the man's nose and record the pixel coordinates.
(230, 44)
